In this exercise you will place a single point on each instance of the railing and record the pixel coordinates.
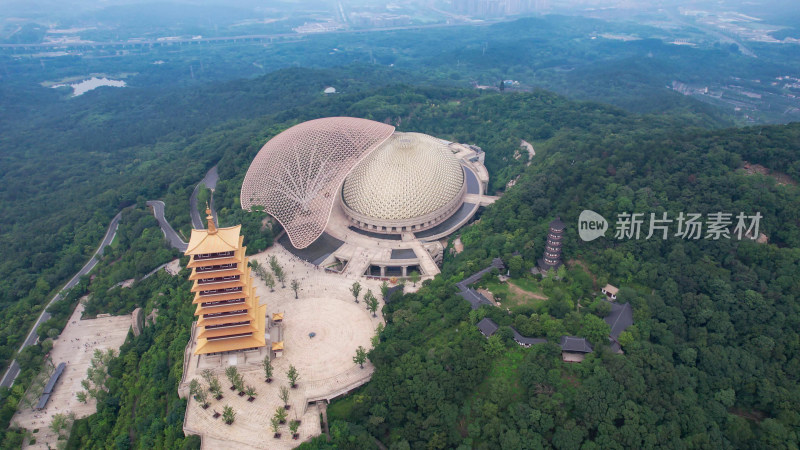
(226, 325)
(223, 314)
(213, 292)
(215, 268)
(218, 279)
(223, 303)
(207, 256)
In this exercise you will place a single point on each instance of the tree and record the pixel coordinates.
(414, 276)
(293, 427)
(495, 346)
(215, 388)
(269, 281)
(251, 393)
(207, 375)
(384, 290)
(372, 302)
(239, 384)
(355, 290)
(502, 86)
(376, 338)
(361, 356)
(198, 393)
(228, 415)
(295, 287)
(97, 373)
(281, 414)
(62, 422)
(284, 395)
(293, 376)
(267, 364)
(275, 425)
(233, 374)
(277, 270)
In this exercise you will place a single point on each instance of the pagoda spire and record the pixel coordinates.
(212, 227)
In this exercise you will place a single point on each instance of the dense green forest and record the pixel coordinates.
(713, 358)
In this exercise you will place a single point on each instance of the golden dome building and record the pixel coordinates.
(412, 182)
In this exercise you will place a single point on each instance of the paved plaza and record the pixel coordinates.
(326, 308)
(75, 346)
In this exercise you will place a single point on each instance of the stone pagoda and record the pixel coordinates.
(551, 259)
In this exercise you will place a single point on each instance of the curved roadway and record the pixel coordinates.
(172, 237)
(210, 180)
(32, 338)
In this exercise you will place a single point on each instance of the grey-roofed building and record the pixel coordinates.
(487, 327)
(48, 388)
(574, 349)
(526, 341)
(620, 318)
(475, 298)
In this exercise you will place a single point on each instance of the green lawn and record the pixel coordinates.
(518, 292)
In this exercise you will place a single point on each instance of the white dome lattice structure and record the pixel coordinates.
(411, 175)
(297, 174)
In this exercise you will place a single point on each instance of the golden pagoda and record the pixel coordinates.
(229, 317)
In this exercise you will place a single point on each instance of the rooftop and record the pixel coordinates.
(575, 344)
(487, 326)
(409, 175)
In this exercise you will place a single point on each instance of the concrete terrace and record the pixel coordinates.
(325, 362)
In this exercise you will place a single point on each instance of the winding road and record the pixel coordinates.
(210, 180)
(13, 369)
(172, 237)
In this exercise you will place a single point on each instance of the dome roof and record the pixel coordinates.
(409, 175)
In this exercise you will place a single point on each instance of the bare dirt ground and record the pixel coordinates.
(518, 291)
(780, 178)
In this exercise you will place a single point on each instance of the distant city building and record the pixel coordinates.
(229, 317)
(551, 259)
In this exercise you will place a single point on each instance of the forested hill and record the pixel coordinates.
(68, 166)
(712, 360)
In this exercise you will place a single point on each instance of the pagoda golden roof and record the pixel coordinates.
(221, 240)
(256, 339)
(277, 346)
(277, 317)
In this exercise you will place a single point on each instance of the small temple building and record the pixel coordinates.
(229, 317)
(551, 259)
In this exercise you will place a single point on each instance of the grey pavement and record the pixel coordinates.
(210, 181)
(32, 338)
(173, 238)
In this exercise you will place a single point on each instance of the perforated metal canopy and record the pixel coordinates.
(297, 173)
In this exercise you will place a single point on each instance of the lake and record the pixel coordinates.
(87, 85)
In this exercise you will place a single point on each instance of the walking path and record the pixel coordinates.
(13, 369)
